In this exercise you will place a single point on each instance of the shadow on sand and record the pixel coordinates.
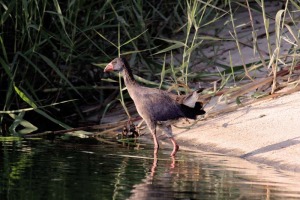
(273, 147)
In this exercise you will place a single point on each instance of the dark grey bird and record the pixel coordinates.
(155, 105)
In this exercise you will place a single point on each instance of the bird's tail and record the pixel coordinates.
(192, 113)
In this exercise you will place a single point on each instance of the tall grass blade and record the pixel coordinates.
(4, 53)
(61, 17)
(29, 109)
(24, 97)
(235, 37)
(266, 25)
(6, 68)
(61, 75)
(103, 37)
(132, 39)
(176, 45)
(30, 102)
(18, 120)
(163, 72)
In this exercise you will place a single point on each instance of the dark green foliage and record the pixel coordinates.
(48, 47)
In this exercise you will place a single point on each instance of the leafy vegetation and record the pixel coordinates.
(53, 53)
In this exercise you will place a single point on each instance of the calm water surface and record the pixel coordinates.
(43, 170)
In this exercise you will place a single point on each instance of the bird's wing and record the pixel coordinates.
(188, 100)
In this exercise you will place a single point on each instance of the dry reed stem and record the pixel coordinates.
(233, 108)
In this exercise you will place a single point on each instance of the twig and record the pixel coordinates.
(110, 127)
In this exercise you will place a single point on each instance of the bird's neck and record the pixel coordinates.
(128, 78)
(131, 85)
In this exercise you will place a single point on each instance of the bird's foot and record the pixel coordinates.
(156, 147)
(175, 149)
(155, 150)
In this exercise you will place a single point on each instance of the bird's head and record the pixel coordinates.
(116, 64)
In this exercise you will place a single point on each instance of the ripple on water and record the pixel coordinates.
(71, 171)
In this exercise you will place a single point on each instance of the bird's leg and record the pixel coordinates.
(154, 165)
(168, 130)
(175, 147)
(152, 127)
(156, 145)
(173, 165)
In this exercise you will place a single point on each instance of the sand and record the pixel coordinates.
(267, 132)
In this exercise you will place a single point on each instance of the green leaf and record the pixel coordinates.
(60, 16)
(28, 109)
(174, 46)
(172, 41)
(55, 68)
(23, 96)
(277, 23)
(109, 80)
(238, 100)
(18, 120)
(212, 38)
(163, 72)
(4, 54)
(41, 112)
(6, 68)
(103, 37)
(81, 134)
(190, 50)
(9, 139)
(34, 66)
(127, 42)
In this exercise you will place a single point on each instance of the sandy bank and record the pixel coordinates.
(267, 132)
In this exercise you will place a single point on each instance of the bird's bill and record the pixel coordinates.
(109, 67)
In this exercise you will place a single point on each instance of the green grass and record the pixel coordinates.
(53, 52)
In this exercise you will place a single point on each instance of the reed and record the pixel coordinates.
(53, 52)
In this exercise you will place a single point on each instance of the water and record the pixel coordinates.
(42, 170)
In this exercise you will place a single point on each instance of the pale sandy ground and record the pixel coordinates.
(267, 132)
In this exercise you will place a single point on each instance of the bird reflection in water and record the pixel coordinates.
(156, 185)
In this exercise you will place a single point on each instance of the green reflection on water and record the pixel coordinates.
(42, 170)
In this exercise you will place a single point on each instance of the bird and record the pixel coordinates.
(157, 106)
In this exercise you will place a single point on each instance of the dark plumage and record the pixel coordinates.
(155, 105)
